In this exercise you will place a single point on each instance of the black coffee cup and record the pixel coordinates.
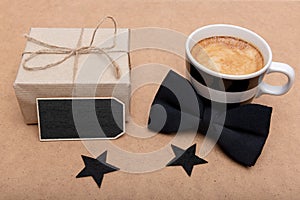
(234, 89)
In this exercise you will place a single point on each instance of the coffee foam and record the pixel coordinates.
(228, 55)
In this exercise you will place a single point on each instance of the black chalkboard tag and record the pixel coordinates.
(80, 118)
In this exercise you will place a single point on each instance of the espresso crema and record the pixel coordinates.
(228, 55)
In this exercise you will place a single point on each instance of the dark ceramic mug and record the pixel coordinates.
(234, 89)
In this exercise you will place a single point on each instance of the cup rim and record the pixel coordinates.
(221, 75)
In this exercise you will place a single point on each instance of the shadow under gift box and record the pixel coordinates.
(95, 76)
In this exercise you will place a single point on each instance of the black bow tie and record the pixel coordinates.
(244, 129)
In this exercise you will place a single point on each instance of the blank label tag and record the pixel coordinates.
(80, 118)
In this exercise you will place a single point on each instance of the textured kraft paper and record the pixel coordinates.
(95, 76)
(34, 170)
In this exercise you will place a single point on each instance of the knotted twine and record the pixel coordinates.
(55, 49)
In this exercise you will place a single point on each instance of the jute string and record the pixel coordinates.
(55, 49)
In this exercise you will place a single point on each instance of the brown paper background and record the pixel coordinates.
(34, 170)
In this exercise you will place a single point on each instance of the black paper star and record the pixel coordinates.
(186, 158)
(96, 168)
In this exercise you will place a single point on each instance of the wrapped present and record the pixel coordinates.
(73, 62)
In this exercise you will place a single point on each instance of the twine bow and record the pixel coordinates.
(55, 49)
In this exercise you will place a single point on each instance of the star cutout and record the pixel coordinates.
(186, 158)
(96, 168)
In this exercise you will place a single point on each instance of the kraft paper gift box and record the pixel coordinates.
(95, 75)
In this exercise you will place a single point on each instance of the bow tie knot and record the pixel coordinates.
(205, 120)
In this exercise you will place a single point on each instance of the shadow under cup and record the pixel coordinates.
(234, 89)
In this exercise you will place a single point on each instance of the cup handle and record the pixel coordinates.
(265, 88)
